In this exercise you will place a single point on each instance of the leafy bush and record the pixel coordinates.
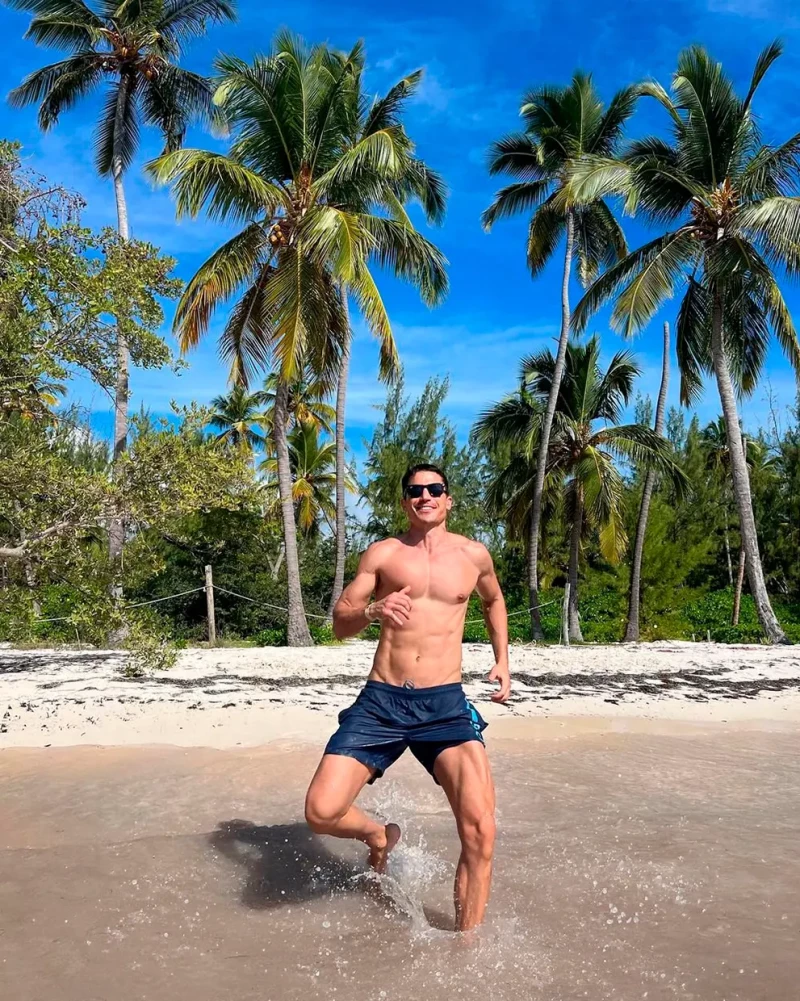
(271, 637)
(149, 649)
(323, 634)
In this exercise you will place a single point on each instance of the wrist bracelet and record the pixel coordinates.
(366, 612)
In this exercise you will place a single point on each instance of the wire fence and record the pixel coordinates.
(267, 604)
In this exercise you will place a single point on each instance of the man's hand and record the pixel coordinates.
(501, 674)
(394, 608)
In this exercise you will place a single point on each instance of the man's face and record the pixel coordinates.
(426, 511)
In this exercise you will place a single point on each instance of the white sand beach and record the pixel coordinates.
(247, 697)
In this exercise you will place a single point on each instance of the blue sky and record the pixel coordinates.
(479, 59)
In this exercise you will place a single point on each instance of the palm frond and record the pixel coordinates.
(58, 87)
(524, 196)
(592, 177)
(544, 232)
(519, 155)
(174, 99)
(246, 342)
(118, 130)
(226, 190)
(647, 277)
(234, 264)
(408, 255)
(183, 20)
(385, 112)
(372, 308)
(774, 225)
(693, 340)
(599, 240)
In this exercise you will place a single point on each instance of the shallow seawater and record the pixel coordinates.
(629, 866)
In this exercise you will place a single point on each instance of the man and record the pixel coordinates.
(413, 698)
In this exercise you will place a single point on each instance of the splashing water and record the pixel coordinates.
(627, 867)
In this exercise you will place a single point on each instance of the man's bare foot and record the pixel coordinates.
(378, 853)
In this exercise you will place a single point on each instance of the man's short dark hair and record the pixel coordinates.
(424, 467)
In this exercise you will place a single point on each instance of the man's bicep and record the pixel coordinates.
(488, 586)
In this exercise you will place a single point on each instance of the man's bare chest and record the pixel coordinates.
(449, 577)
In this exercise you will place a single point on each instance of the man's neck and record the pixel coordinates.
(427, 538)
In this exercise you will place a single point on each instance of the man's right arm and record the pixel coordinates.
(353, 611)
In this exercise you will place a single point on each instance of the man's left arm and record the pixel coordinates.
(494, 614)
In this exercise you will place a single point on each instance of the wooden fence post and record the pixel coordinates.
(212, 622)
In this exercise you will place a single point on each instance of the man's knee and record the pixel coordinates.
(321, 812)
(478, 835)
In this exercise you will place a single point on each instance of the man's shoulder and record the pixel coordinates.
(377, 551)
(475, 550)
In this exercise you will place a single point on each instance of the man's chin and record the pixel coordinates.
(428, 517)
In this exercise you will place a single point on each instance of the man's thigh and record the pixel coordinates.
(464, 774)
(336, 783)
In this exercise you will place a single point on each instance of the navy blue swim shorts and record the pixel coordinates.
(386, 719)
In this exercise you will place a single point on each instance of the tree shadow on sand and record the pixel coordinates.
(288, 864)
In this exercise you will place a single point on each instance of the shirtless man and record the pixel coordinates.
(413, 698)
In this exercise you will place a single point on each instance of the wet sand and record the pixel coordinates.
(245, 697)
(660, 863)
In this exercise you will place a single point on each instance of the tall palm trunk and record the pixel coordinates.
(737, 594)
(544, 442)
(116, 531)
(741, 481)
(341, 536)
(575, 633)
(297, 630)
(634, 598)
(728, 543)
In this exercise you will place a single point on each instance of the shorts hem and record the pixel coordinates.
(429, 768)
(361, 756)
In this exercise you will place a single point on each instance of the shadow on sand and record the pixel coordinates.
(285, 863)
(288, 864)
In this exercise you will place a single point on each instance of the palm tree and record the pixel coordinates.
(235, 416)
(132, 49)
(321, 201)
(714, 443)
(582, 459)
(734, 223)
(562, 125)
(313, 465)
(305, 403)
(417, 183)
(634, 595)
(714, 447)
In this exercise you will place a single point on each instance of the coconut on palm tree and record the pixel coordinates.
(562, 125)
(236, 416)
(734, 227)
(584, 454)
(131, 49)
(313, 463)
(322, 203)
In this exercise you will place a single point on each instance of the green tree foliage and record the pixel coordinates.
(313, 463)
(411, 432)
(729, 202)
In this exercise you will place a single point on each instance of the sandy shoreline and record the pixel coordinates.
(247, 697)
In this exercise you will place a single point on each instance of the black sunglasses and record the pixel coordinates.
(415, 490)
